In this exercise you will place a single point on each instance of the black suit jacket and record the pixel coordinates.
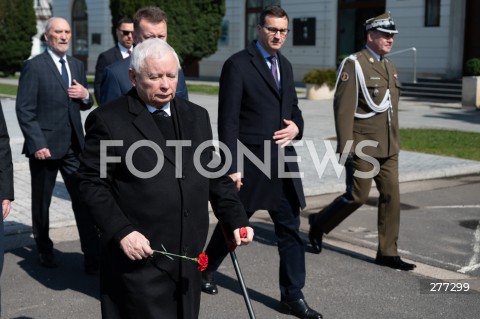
(170, 207)
(116, 82)
(6, 166)
(250, 110)
(104, 59)
(48, 118)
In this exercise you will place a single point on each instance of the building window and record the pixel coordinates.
(432, 13)
(253, 11)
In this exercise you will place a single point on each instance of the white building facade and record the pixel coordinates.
(441, 31)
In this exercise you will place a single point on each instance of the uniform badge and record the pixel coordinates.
(344, 76)
(375, 92)
(371, 60)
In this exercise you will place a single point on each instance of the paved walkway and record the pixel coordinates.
(318, 169)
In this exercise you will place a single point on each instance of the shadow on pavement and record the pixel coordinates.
(68, 276)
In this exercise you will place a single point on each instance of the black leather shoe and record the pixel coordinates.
(300, 309)
(208, 283)
(315, 235)
(394, 262)
(48, 260)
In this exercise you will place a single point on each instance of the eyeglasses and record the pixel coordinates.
(125, 32)
(273, 31)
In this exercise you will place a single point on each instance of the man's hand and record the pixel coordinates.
(286, 135)
(6, 205)
(136, 246)
(77, 91)
(237, 179)
(239, 241)
(42, 154)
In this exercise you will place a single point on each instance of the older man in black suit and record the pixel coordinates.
(52, 90)
(122, 50)
(258, 108)
(142, 175)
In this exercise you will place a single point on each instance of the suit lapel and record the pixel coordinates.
(259, 63)
(53, 67)
(145, 123)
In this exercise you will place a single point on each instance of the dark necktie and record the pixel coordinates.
(129, 52)
(273, 60)
(161, 113)
(165, 124)
(64, 72)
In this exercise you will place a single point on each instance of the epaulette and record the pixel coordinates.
(353, 57)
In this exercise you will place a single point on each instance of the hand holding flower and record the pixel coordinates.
(243, 240)
(201, 260)
(136, 246)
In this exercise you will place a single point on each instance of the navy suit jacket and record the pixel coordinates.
(6, 166)
(250, 110)
(47, 116)
(104, 59)
(117, 83)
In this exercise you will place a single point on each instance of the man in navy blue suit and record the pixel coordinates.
(52, 90)
(148, 22)
(120, 51)
(258, 107)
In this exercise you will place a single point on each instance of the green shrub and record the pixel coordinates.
(320, 77)
(472, 67)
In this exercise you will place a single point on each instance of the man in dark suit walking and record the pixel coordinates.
(52, 90)
(6, 182)
(258, 113)
(146, 191)
(122, 50)
(148, 22)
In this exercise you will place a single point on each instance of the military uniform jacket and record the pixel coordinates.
(382, 127)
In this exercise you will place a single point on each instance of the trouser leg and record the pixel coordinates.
(290, 245)
(43, 175)
(388, 206)
(356, 194)
(89, 240)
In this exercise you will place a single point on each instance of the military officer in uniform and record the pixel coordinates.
(366, 122)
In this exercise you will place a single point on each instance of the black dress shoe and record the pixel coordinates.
(315, 235)
(394, 262)
(48, 260)
(300, 309)
(208, 283)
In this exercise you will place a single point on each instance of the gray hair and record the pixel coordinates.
(48, 25)
(153, 47)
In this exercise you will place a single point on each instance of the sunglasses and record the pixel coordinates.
(125, 32)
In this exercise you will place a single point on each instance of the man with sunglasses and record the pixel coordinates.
(148, 22)
(366, 113)
(259, 114)
(120, 51)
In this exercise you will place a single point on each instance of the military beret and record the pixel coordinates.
(382, 23)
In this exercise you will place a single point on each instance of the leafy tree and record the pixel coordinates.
(194, 26)
(18, 22)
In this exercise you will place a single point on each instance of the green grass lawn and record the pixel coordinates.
(8, 89)
(441, 142)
